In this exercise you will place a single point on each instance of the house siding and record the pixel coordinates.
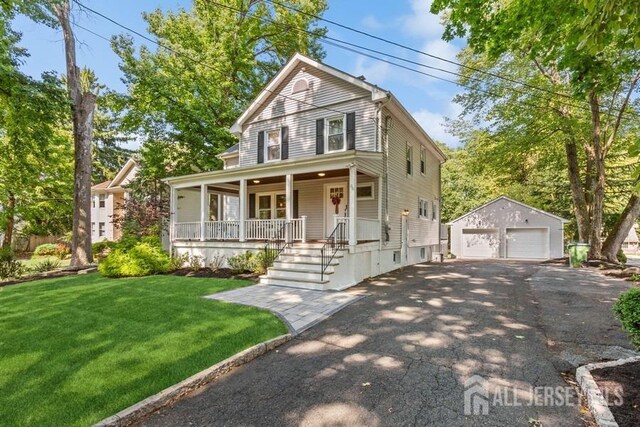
(405, 190)
(326, 91)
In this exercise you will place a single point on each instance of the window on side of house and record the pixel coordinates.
(102, 198)
(409, 159)
(423, 253)
(423, 160)
(273, 145)
(335, 134)
(101, 229)
(423, 208)
(434, 211)
(365, 191)
(93, 228)
(93, 201)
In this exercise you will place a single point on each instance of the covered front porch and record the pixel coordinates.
(296, 202)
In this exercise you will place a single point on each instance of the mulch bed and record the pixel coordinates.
(221, 273)
(68, 271)
(621, 382)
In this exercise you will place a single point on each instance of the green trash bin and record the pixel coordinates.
(578, 253)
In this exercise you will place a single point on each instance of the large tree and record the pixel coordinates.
(582, 77)
(83, 103)
(210, 63)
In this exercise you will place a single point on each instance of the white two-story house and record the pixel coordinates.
(107, 200)
(330, 171)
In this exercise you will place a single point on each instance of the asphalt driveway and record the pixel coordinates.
(401, 356)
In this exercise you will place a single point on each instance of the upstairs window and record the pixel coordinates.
(423, 160)
(409, 159)
(300, 86)
(100, 229)
(434, 211)
(335, 134)
(102, 200)
(273, 145)
(423, 208)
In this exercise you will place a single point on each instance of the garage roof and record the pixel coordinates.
(512, 201)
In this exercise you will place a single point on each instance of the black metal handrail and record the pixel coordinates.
(334, 243)
(278, 242)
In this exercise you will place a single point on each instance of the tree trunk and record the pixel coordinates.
(598, 195)
(577, 193)
(621, 229)
(82, 108)
(11, 221)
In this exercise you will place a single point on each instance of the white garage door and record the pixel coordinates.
(528, 243)
(480, 243)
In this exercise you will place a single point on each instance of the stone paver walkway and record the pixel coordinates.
(299, 308)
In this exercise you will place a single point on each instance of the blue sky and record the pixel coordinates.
(404, 21)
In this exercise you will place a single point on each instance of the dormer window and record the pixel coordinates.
(335, 134)
(273, 145)
(300, 85)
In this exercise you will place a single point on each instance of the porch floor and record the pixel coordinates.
(300, 309)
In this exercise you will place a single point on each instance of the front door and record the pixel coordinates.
(335, 203)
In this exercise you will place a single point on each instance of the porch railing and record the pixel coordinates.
(255, 229)
(337, 240)
(366, 228)
(222, 230)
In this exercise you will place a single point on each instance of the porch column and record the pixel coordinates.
(243, 209)
(289, 206)
(353, 206)
(204, 207)
(173, 216)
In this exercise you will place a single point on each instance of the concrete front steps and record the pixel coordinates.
(299, 266)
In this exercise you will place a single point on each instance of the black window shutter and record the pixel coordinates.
(284, 149)
(252, 205)
(320, 136)
(351, 131)
(261, 147)
(295, 204)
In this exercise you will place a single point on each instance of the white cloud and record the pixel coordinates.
(370, 22)
(421, 22)
(442, 49)
(434, 124)
(375, 72)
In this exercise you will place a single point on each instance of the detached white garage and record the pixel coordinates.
(505, 228)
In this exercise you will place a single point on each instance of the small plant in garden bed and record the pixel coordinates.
(136, 258)
(48, 264)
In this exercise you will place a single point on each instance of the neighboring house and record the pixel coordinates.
(630, 244)
(505, 228)
(330, 169)
(107, 199)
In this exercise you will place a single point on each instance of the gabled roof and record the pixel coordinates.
(377, 94)
(117, 181)
(512, 201)
(298, 58)
(102, 186)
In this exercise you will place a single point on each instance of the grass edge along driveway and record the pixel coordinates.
(77, 349)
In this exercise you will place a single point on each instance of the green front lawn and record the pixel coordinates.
(77, 349)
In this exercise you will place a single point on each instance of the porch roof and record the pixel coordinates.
(298, 165)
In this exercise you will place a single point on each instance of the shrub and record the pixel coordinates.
(217, 262)
(10, 267)
(263, 260)
(195, 262)
(622, 258)
(242, 262)
(102, 249)
(627, 309)
(143, 259)
(177, 262)
(48, 264)
(46, 249)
